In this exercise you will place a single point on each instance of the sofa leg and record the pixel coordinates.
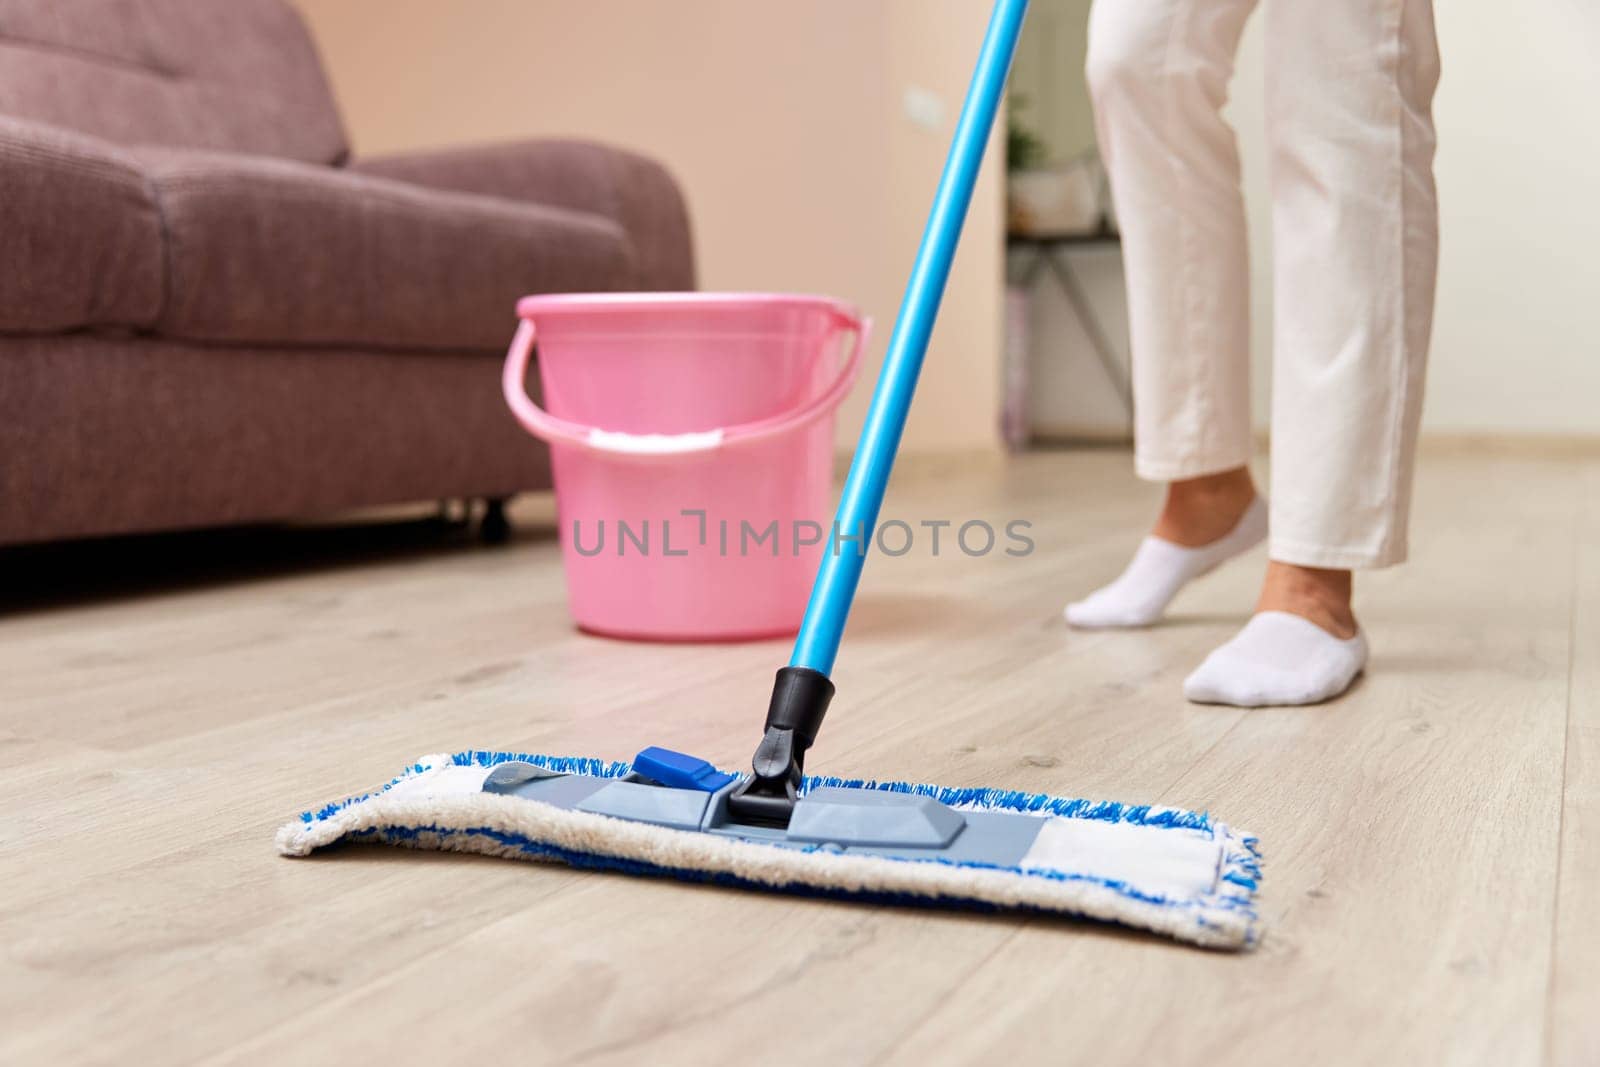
(494, 528)
(454, 512)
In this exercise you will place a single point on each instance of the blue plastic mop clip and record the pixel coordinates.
(679, 770)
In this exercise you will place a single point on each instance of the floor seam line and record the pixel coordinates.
(1561, 793)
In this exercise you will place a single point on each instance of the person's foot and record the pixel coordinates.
(1200, 511)
(1303, 645)
(1205, 522)
(1316, 594)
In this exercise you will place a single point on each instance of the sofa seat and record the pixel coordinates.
(219, 247)
(267, 251)
(80, 233)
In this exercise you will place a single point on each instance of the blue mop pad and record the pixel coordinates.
(1166, 870)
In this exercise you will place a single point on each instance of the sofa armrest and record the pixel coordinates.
(632, 190)
(80, 233)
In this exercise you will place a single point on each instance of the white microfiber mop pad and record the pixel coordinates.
(1278, 659)
(1166, 870)
(1158, 570)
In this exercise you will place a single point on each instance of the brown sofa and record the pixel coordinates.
(209, 315)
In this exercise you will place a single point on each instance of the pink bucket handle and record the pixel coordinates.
(553, 430)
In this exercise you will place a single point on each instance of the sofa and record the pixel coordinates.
(211, 314)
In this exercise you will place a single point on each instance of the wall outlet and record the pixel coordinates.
(924, 107)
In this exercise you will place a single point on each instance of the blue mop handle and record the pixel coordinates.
(835, 588)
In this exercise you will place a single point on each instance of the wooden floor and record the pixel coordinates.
(1432, 840)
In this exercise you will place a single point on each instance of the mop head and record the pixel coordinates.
(1166, 870)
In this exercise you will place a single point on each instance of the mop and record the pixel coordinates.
(1166, 870)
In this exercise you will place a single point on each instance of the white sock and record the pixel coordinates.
(1278, 658)
(1158, 570)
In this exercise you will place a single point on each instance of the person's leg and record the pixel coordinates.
(1355, 218)
(1158, 71)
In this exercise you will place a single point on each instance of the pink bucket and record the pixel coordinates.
(691, 437)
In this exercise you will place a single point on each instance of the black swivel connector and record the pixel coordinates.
(800, 699)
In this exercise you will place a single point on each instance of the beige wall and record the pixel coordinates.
(1048, 79)
(786, 122)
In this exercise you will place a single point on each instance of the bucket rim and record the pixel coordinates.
(624, 302)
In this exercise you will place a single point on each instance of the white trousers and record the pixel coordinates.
(1355, 247)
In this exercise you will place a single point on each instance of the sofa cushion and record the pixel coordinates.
(80, 234)
(634, 190)
(267, 251)
(235, 75)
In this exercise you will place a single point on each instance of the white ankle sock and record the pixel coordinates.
(1158, 570)
(1278, 658)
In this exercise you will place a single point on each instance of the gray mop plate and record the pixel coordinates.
(871, 822)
